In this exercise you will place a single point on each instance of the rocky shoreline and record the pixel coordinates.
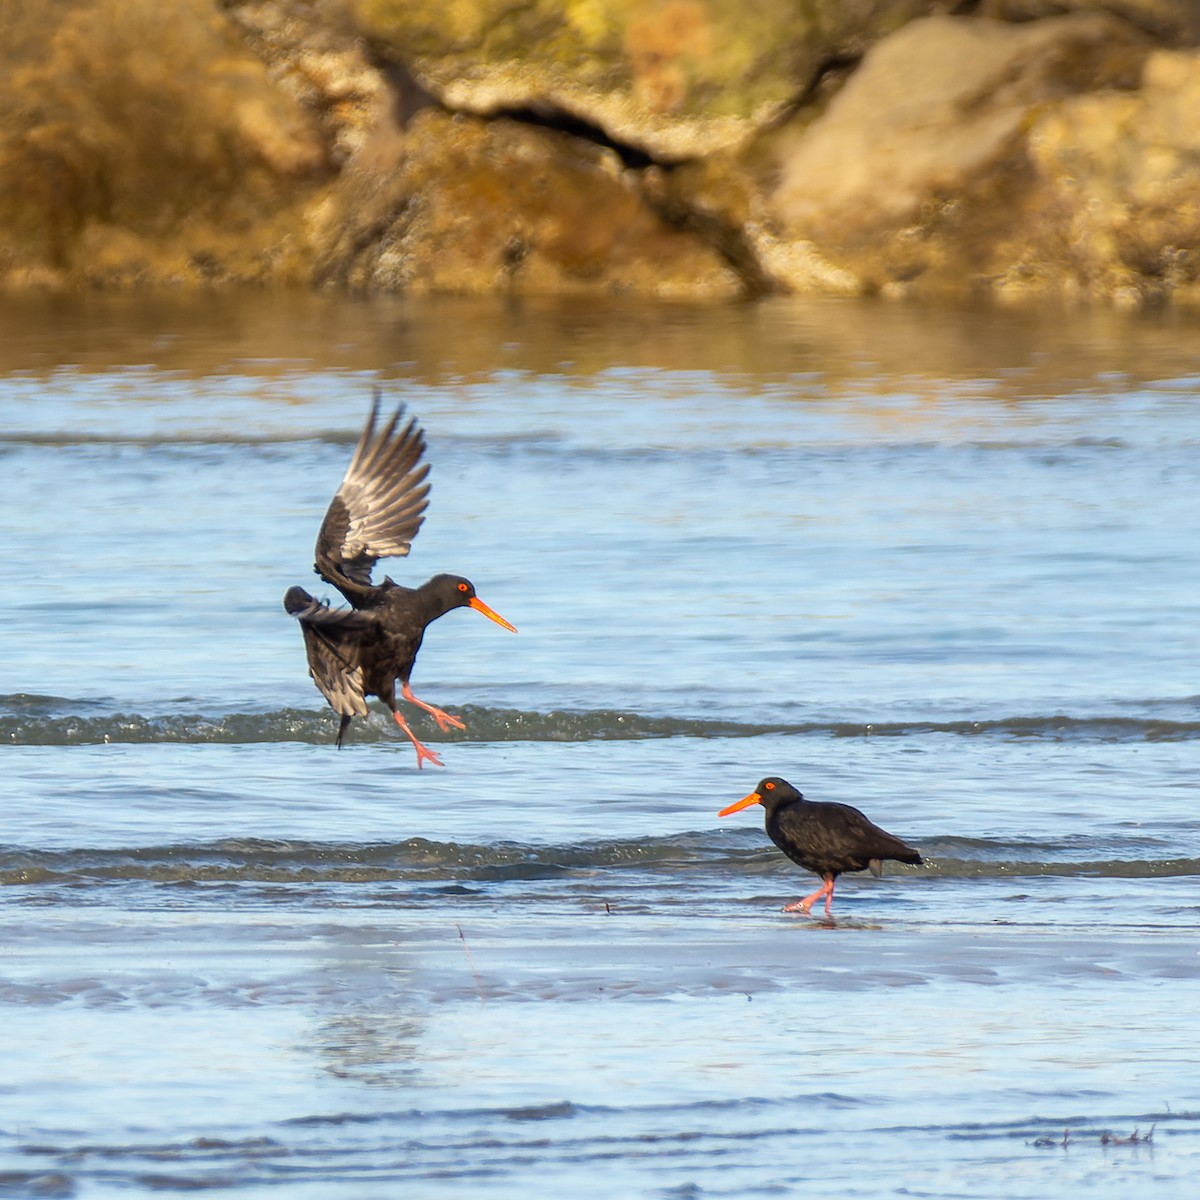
(685, 149)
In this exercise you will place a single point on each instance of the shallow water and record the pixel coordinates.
(940, 565)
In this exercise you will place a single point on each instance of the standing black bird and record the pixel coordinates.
(361, 651)
(824, 838)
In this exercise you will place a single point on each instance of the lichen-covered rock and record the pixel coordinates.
(1124, 171)
(674, 79)
(143, 143)
(700, 148)
(315, 54)
(1173, 21)
(927, 188)
(458, 204)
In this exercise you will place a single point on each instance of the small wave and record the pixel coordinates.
(31, 720)
(715, 853)
(951, 868)
(414, 860)
(39, 725)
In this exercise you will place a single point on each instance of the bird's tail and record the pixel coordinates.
(296, 600)
(905, 855)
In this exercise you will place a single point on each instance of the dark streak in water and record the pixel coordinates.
(469, 1142)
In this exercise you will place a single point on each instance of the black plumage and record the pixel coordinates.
(361, 651)
(824, 838)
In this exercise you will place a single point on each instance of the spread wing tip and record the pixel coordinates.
(380, 505)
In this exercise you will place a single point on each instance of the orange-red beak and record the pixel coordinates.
(744, 802)
(479, 606)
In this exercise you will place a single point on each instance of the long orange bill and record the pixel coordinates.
(744, 802)
(479, 606)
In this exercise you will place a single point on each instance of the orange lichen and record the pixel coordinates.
(663, 45)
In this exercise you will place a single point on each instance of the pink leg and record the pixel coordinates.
(424, 754)
(826, 890)
(445, 721)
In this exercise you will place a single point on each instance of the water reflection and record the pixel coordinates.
(375, 1045)
(1024, 354)
(367, 1027)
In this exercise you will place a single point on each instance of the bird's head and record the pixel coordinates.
(770, 793)
(453, 591)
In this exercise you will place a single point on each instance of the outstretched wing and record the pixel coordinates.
(332, 637)
(379, 506)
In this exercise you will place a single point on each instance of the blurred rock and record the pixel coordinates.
(145, 143)
(671, 79)
(458, 204)
(1007, 149)
(1123, 170)
(922, 188)
(1176, 21)
(315, 53)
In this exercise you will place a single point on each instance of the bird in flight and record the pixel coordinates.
(363, 650)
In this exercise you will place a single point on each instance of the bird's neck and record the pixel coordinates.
(429, 599)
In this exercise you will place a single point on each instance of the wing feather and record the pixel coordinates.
(332, 637)
(379, 506)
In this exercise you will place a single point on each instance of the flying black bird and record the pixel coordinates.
(362, 650)
(824, 838)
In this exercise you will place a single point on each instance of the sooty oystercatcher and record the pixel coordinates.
(824, 838)
(362, 650)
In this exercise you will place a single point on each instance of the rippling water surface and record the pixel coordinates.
(938, 565)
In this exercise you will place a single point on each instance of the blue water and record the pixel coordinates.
(939, 565)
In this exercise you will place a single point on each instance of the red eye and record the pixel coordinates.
(462, 587)
(769, 786)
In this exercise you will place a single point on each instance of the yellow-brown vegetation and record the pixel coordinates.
(133, 122)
